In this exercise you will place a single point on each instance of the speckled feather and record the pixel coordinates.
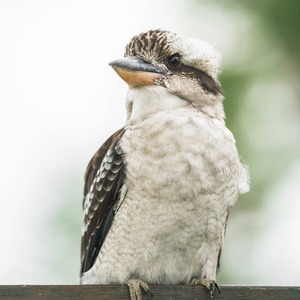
(103, 179)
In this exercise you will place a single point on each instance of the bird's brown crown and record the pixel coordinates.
(151, 43)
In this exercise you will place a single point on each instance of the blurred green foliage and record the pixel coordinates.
(65, 234)
(279, 18)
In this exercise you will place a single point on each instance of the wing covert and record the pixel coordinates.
(103, 179)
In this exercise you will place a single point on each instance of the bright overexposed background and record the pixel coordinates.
(60, 100)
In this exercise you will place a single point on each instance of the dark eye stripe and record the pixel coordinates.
(207, 82)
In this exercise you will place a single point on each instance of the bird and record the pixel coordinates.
(158, 192)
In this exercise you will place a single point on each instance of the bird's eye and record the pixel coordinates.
(174, 61)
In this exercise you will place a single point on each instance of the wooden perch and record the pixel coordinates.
(160, 292)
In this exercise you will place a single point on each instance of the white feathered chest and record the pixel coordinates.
(182, 176)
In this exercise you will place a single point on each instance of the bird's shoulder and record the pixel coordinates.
(98, 157)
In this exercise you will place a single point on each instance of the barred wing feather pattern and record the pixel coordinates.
(103, 179)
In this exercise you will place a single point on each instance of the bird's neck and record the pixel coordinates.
(214, 110)
(141, 102)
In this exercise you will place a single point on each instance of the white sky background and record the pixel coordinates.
(60, 100)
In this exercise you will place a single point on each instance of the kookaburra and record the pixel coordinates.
(158, 192)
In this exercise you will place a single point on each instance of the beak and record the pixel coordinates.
(136, 72)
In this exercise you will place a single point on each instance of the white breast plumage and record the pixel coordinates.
(182, 173)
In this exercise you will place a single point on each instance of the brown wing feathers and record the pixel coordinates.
(103, 179)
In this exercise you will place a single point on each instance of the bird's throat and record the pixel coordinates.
(144, 101)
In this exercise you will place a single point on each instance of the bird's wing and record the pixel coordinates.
(104, 177)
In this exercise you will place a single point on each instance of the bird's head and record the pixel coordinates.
(166, 71)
